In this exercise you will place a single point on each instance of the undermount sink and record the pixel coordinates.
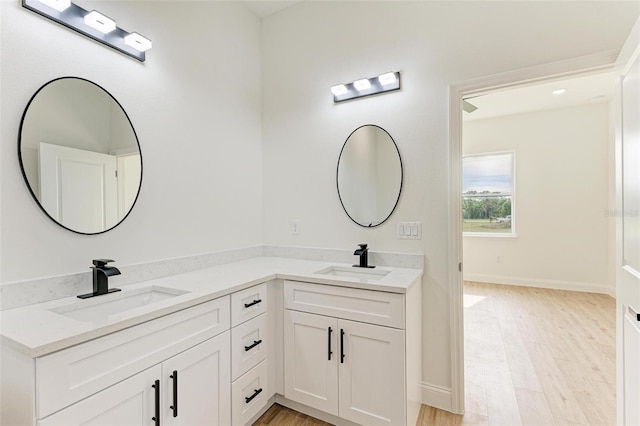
(358, 273)
(101, 307)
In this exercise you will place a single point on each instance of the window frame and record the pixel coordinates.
(511, 234)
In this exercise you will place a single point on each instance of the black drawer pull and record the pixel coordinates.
(341, 346)
(156, 386)
(255, 302)
(247, 399)
(174, 407)
(329, 343)
(253, 345)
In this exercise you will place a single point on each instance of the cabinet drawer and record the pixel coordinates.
(374, 307)
(248, 345)
(249, 394)
(65, 377)
(248, 303)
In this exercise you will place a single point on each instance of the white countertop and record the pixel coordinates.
(36, 331)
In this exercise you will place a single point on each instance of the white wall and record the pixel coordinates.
(561, 200)
(196, 107)
(314, 45)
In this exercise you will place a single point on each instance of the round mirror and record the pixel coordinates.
(80, 155)
(369, 175)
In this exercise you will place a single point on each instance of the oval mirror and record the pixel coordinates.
(369, 175)
(80, 155)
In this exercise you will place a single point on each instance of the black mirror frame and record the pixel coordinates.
(401, 177)
(24, 174)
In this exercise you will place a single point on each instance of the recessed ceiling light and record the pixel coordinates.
(98, 21)
(559, 91)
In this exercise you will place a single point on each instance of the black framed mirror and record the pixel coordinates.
(79, 155)
(369, 175)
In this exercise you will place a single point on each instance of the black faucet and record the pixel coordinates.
(363, 252)
(101, 274)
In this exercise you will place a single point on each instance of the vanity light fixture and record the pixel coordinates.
(100, 22)
(559, 91)
(367, 86)
(92, 24)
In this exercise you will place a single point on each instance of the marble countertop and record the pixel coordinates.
(36, 331)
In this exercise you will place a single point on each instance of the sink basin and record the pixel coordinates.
(351, 272)
(101, 307)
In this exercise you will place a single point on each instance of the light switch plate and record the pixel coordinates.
(409, 230)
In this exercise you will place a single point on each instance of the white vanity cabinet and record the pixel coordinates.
(346, 353)
(111, 380)
(250, 341)
(196, 385)
(189, 389)
(343, 354)
(130, 402)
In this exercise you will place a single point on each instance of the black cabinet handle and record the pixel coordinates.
(255, 302)
(247, 399)
(341, 346)
(253, 345)
(329, 343)
(174, 407)
(156, 386)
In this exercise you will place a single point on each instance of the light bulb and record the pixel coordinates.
(387, 79)
(138, 42)
(338, 90)
(361, 85)
(98, 21)
(59, 5)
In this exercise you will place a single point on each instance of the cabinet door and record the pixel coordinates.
(311, 360)
(130, 402)
(202, 394)
(372, 388)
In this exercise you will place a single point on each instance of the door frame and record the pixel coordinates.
(584, 65)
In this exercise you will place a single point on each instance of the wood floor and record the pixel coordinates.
(532, 357)
(278, 415)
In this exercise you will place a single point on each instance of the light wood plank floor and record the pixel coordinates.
(535, 357)
(278, 415)
(532, 357)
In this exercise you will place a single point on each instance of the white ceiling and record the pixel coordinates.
(579, 91)
(264, 8)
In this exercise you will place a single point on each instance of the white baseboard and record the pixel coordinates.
(436, 396)
(543, 283)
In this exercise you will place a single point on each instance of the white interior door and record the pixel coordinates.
(78, 188)
(129, 174)
(311, 372)
(628, 230)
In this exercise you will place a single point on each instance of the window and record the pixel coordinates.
(487, 194)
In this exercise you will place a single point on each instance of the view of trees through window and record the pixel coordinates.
(487, 193)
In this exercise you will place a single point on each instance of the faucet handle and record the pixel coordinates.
(363, 246)
(99, 263)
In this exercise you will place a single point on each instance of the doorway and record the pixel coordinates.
(553, 72)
